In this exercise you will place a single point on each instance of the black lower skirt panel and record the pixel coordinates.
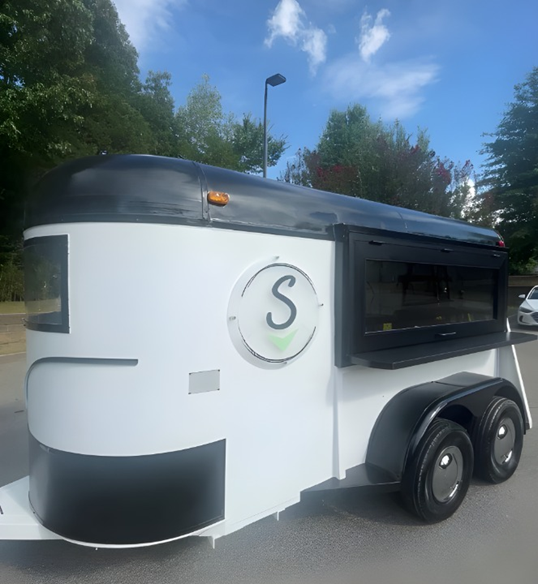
(127, 500)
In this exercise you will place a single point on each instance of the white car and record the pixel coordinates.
(527, 313)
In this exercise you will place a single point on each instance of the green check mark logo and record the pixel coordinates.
(283, 343)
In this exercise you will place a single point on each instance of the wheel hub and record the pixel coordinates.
(447, 474)
(505, 439)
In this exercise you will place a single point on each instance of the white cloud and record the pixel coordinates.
(285, 22)
(372, 37)
(146, 19)
(289, 22)
(396, 87)
(315, 44)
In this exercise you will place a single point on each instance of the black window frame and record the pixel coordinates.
(61, 242)
(354, 246)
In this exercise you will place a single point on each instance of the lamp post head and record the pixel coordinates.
(275, 80)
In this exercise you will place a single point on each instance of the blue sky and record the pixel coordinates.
(448, 66)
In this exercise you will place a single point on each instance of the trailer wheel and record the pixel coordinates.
(498, 441)
(438, 474)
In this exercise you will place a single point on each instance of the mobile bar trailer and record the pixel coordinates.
(204, 346)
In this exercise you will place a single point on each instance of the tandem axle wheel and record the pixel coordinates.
(439, 472)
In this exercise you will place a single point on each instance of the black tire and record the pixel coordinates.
(498, 441)
(438, 473)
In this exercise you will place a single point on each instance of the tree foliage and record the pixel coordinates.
(511, 173)
(372, 160)
(70, 87)
(208, 135)
(156, 105)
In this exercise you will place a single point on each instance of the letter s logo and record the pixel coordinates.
(273, 314)
(287, 302)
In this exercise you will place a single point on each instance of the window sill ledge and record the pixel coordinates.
(436, 351)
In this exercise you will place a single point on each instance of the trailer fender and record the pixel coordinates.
(461, 397)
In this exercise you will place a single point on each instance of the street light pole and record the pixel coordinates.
(273, 81)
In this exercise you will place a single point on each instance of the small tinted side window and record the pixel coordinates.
(45, 283)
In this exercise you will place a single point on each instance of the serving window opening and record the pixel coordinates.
(406, 295)
(46, 283)
(401, 296)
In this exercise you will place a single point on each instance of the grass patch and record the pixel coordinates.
(18, 346)
(12, 339)
(12, 307)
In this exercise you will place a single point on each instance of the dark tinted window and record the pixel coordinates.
(45, 283)
(405, 295)
(533, 294)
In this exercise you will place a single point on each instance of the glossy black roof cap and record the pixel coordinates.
(117, 188)
(153, 189)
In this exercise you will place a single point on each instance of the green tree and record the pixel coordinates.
(372, 160)
(70, 87)
(156, 104)
(111, 121)
(299, 169)
(346, 162)
(203, 128)
(247, 143)
(110, 57)
(207, 134)
(42, 48)
(511, 173)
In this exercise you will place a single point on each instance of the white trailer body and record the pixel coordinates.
(204, 346)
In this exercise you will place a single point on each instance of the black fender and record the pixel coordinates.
(461, 397)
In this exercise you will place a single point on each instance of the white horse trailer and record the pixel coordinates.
(204, 346)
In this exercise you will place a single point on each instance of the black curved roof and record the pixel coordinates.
(154, 189)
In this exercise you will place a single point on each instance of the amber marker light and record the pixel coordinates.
(217, 198)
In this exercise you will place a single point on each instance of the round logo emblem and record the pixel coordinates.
(273, 314)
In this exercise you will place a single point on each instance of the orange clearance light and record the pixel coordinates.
(217, 198)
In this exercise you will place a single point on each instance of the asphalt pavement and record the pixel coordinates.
(339, 537)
